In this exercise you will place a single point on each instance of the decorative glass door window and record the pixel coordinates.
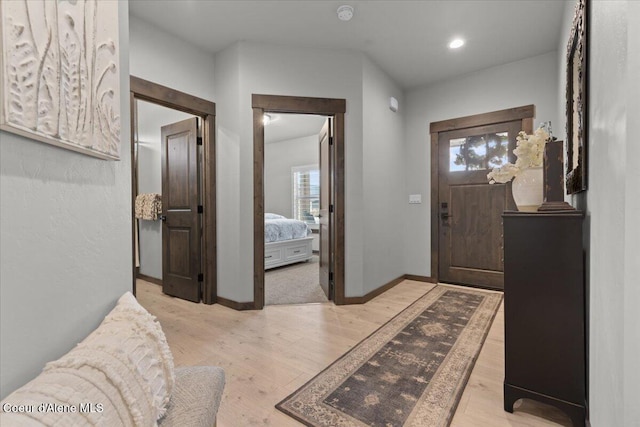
(478, 152)
(306, 193)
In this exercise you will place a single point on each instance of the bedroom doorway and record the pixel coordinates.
(292, 195)
(325, 209)
(173, 164)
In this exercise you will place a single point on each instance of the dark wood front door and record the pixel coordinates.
(470, 209)
(181, 232)
(325, 214)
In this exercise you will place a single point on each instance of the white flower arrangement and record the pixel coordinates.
(529, 152)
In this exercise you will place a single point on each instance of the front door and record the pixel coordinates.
(470, 209)
(181, 230)
(325, 211)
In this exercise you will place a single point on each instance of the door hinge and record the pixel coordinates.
(200, 277)
(330, 140)
(199, 140)
(331, 208)
(200, 209)
(331, 277)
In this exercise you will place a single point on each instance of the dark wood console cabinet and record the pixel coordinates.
(544, 309)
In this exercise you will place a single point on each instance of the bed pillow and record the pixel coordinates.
(121, 374)
(273, 216)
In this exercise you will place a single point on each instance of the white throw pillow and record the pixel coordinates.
(121, 374)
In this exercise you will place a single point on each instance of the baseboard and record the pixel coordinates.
(371, 295)
(347, 300)
(587, 421)
(149, 279)
(235, 304)
(426, 279)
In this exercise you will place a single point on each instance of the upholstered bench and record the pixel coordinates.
(122, 374)
(195, 398)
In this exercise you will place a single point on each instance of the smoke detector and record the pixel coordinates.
(345, 13)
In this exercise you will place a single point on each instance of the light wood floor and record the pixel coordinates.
(268, 354)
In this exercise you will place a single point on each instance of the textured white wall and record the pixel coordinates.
(631, 338)
(530, 81)
(167, 60)
(611, 204)
(279, 158)
(227, 85)
(385, 201)
(65, 250)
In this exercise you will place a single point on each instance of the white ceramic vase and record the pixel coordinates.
(527, 189)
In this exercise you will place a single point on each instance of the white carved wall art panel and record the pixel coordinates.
(61, 73)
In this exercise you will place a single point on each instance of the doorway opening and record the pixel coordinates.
(173, 186)
(328, 208)
(466, 211)
(292, 190)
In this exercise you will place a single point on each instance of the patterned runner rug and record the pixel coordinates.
(410, 372)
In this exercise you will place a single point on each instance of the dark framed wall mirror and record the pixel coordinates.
(577, 100)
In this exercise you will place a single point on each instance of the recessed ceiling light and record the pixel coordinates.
(456, 43)
(345, 12)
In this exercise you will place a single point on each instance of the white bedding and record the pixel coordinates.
(278, 228)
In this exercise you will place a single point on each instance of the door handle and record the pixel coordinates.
(163, 218)
(445, 215)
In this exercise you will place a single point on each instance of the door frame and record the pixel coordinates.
(330, 107)
(525, 114)
(145, 90)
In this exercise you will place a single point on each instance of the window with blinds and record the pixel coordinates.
(306, 193)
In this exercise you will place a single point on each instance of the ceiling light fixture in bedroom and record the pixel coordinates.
(269, 118)
(345, 12)
(456, 43)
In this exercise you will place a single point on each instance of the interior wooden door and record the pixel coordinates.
(181, 229)
(470, 209)
(325, 209)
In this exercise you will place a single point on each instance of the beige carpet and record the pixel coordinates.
(410, 372)
(294, 284)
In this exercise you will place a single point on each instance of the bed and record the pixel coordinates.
(286, 241)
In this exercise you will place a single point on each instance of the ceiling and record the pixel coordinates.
(284, 127)
(151, 117)
(407, 39)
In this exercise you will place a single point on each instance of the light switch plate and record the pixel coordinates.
(415, 198)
